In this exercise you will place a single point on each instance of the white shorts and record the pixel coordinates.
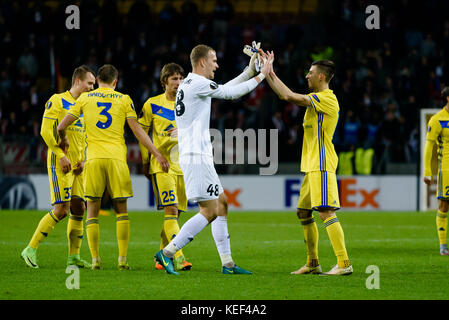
(201, 179)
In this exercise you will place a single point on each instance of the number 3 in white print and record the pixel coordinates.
(180, 107)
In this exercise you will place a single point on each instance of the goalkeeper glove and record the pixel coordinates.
(255, 64)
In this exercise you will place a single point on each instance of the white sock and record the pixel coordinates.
(220, 233)
(189, 230)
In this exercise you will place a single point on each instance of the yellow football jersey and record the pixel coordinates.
(320, 121)
(158, 116)
(55, 110)
(438, 132)
(105, 112)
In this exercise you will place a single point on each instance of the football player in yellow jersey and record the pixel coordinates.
(319, 190)
(158, 116)
(66, 188)
(105, 112)
(438, 133)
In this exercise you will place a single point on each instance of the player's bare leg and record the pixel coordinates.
(93, 231)
(441, 222)
(122, 229)
(75, 232)
(220, 233)
(310, 230)
(336, 236)
(45, 226)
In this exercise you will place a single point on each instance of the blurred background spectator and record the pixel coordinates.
(383, 76)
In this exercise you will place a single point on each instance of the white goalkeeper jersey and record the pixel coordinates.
(193, 106)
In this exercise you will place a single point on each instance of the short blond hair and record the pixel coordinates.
(199, 52)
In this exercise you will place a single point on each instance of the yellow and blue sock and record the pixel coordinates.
(75, 233)
(93, 237)
(45, 226)
(337, 238)
(171, 229)
(310, 230)
(122, 229)
(441, 221)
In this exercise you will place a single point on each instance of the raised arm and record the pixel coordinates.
(282, 91)
(231, 92)
(248, 73)
(144, 139)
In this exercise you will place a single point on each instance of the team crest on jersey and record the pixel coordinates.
(213, 85)
(48, 106)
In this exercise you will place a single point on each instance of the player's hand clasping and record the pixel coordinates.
(173, 132)
(164, 163)
(268, 62)
(66, 166)
(78, 168)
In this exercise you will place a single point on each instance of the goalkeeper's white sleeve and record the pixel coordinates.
(244, 76)
(231, 92)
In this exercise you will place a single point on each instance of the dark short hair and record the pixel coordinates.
(169, 70)
(107, 73)
(80, 73)
(327, 67)
(199, 52)
(445, 93)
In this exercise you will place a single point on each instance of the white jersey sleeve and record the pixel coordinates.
(229, 91)
(193, 107)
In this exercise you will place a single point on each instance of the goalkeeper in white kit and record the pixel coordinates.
(192, 114)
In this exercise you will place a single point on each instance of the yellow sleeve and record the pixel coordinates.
(77, 109)
(52, 108)
(322, 103)
(49, 126)
(433, 131)
(146, 116)
(130, 110)
(48, 131)
(83, 153)
(145, 121)
(428, 152)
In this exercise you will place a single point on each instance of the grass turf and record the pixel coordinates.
(403, 245)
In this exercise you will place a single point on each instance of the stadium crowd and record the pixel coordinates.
(383, 76)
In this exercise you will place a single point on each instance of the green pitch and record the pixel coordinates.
(404, 246)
